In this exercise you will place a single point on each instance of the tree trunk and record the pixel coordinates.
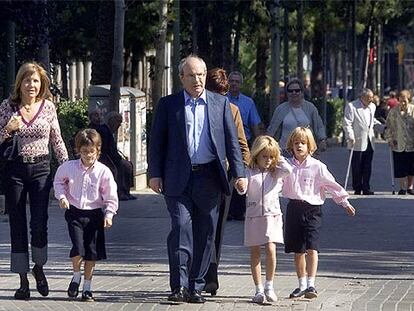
(65, 89)
(203, 32)
(275, 57)
(160, 54)
(286, 43)
(235, 63)
(43, 44)
(317, 68)
(262, 55)
(176, 47)
(117, 59)
(11, 58)
(299, 30)
(103, 51)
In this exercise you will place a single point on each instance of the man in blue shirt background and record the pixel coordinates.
(252, 128)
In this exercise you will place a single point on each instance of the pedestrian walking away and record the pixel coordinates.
(358, 125)
(30, 117)
(305, 188)
(264, 221)
(87, 190)
(193, 137)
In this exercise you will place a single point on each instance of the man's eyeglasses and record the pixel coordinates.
(294, 90)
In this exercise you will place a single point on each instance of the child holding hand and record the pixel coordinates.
(264, 221)
(87, 190)
(305, 188)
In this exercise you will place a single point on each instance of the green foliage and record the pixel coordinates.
(334, 114)
(72, 116)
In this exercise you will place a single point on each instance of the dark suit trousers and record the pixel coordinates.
(361, 168)
(194, 217)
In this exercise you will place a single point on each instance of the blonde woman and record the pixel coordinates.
(400, 136)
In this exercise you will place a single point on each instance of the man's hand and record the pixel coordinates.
(350, 142)
(107, 223)
(156, 184)
(64, 203)
(241, 184)
(322, 145)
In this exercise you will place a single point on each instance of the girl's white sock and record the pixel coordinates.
(268, 284)
(259, 288)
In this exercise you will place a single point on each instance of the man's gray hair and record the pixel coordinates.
(365, 92)
(184, 61)
(237, 73)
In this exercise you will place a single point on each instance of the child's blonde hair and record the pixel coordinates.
(301, 133)
(267, 144)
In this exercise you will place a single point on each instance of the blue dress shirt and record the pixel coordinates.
(199, 144)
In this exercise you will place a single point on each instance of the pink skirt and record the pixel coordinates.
(262, 230)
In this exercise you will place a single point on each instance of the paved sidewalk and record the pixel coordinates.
(366, 262)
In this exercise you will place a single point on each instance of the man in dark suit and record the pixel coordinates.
(193, 133)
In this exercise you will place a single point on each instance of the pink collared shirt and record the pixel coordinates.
(310, 180)
(87, 188)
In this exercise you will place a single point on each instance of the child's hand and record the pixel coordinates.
(107, 223)
(350, 210)
(241, 185)
(64, 203)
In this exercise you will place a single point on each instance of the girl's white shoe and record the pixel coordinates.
(259, 297)
(270, 295)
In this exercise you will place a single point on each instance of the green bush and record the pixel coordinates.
(334, 114)
(72, 116)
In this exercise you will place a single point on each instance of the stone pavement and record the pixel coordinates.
(365, 262)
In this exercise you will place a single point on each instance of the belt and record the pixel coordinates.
(199, 167)
(33, 159)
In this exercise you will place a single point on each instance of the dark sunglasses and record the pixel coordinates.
(294, 90)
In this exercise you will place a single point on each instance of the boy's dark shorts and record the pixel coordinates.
(86, 230)
(302, 224)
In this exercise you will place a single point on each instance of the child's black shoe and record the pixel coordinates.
(73, 289)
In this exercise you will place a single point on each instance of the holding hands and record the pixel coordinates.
(241, 185)
(64, 203)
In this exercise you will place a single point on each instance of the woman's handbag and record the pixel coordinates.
(9, 148)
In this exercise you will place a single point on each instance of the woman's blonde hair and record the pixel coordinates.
(25, 70)
(301, 133)
(268, 145)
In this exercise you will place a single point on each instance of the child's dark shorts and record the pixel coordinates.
(302, 224)
(86, 230)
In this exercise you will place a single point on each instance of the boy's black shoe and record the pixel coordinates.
(357, 192)
(22, 293)
(402, 192)
(87, 296)
(311, 293)
(297, 293)
(368, 192)
(73, 289)
(41, 281)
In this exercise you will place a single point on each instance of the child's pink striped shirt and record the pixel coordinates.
(310, 180)
(87, 188)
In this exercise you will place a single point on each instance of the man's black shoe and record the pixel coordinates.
(41, 281)
(179, 294)
(73, 289)
(410, 191)
(367, 192)
(196, 297)
(211, 288)
(357, 192)
(22, 293)
(402, 192)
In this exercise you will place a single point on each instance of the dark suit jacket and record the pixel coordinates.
(168, 155)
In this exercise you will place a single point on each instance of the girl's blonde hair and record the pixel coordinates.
(267, 144)
(301, 133)
(26, 70)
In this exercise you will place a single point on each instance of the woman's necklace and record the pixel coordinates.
(28, 108)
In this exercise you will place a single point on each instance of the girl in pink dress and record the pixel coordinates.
(264, 222)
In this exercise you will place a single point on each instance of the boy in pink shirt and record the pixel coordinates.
(305, 188)
(87, 190)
